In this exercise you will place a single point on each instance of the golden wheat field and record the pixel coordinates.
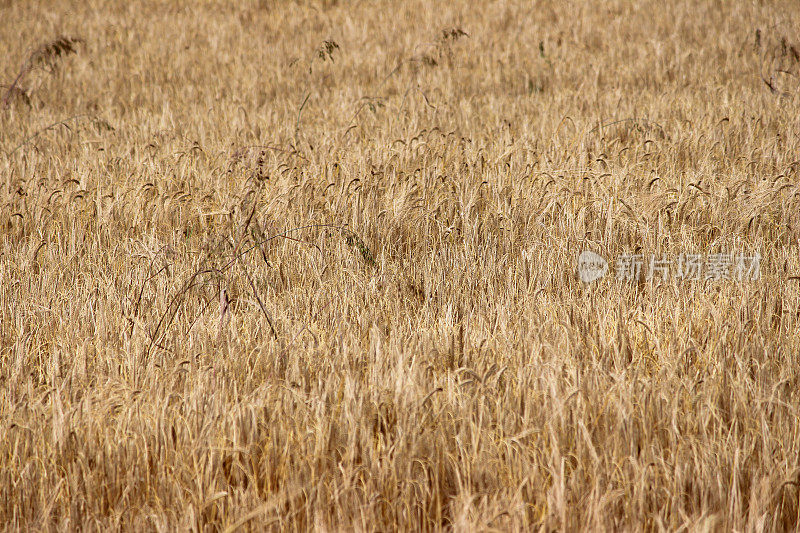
(315, 266)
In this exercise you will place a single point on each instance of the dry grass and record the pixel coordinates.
(312, 266)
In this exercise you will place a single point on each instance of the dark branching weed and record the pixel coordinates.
(352, 239)
(327, 49)
(453, 34)
(46, 57)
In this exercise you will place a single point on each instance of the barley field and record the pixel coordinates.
(272, 265)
